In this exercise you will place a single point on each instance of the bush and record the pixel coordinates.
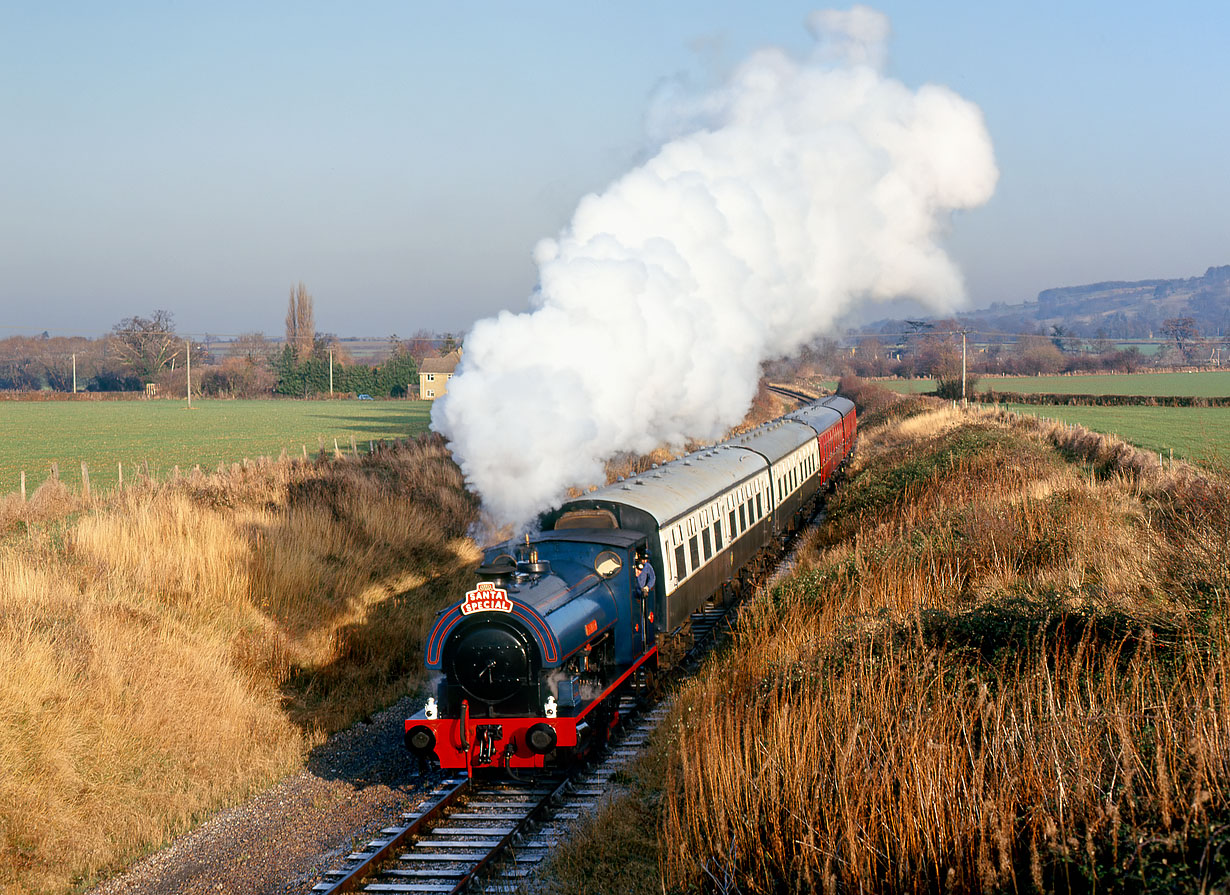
(952, 389)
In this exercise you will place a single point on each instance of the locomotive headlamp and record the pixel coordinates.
(540, 738)
(420, 740)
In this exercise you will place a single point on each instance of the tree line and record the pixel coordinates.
(933, 348)
(141, 351)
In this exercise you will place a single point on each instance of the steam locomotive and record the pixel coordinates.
(529, 666)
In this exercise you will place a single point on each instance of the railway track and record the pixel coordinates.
(786, 392)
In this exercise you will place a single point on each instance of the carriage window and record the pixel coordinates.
(708, 544)
(681, 570)
(717, 536)
(742, 517)
(759, 508)
(734, 532)
(695, 552)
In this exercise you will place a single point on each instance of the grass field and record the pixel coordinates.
(1200, 434)
(166, 434)
(1209, 384)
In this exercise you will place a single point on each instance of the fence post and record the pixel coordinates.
(305, 452)
(337, 452)
(23, 486)
(354, 449)
(55, 470)
(120, 467)
(85, 480)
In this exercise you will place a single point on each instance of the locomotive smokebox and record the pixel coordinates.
(491, 660)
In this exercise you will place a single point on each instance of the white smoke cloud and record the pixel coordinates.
(799, 189)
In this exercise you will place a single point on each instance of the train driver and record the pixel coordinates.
(646, 580)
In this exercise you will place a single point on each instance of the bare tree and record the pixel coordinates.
(253, 347)
(145, 345)
(420, 345)
(300, 322)
(1183, 330)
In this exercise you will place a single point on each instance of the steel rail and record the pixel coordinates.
(512, 835)
(792, 393)
(370, 863)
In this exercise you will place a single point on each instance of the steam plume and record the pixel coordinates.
(799, 189)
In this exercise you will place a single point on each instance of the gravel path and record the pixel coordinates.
(282, 840)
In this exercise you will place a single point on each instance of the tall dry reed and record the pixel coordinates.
(1003, 664)
(169, 651)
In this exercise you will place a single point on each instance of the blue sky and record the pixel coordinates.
(402, 159)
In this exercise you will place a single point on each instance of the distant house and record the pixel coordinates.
(435, 372)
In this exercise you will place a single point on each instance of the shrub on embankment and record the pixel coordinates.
(171, 650)
(1003, 664)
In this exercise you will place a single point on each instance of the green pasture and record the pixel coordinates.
(1208, 384)
(1199, 434)
(166, 434)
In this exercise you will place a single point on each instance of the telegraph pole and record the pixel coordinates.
(330, 372)
(74, 374)
(188, 345)
(963, 332)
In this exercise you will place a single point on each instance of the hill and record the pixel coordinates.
(1117, 309)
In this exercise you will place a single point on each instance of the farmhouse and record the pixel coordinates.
(435, 372)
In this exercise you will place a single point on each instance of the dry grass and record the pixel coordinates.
(617, 848)
(180, 646)
(1005, 664)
